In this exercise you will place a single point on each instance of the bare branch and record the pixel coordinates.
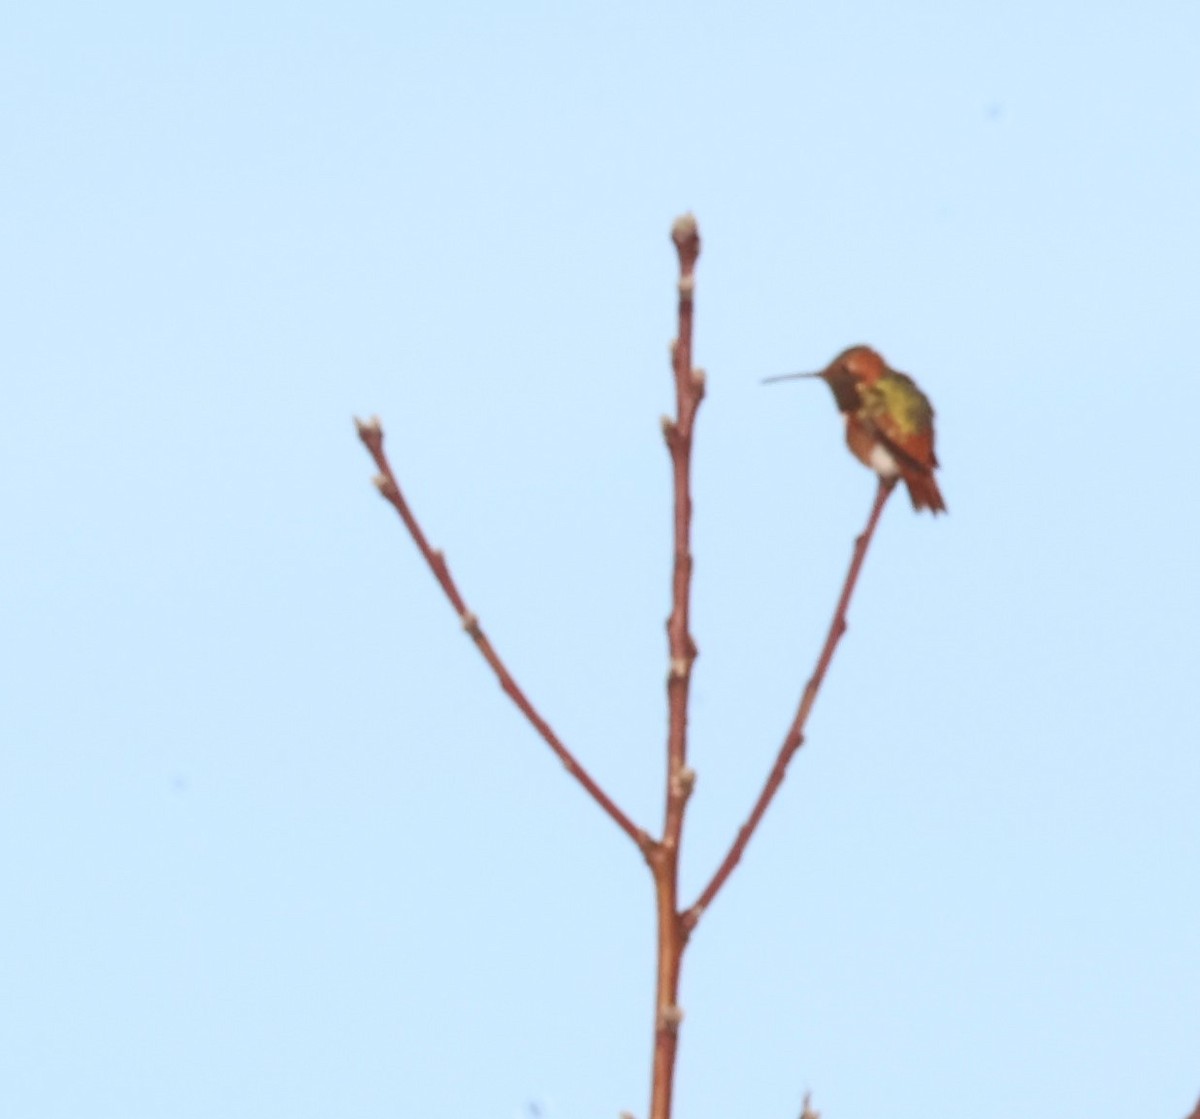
(795, 735)
(689, 391)
(681, 654)
(371, 433)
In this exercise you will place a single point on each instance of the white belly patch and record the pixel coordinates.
(883, 462)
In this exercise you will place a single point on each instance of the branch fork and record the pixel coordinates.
(675, 925)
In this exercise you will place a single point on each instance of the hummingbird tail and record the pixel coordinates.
(923, 489)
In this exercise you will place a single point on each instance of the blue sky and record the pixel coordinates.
(273, 842)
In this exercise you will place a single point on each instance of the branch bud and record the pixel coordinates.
(686, 236)
(669, 1019)
(684, 781)
(684, 228)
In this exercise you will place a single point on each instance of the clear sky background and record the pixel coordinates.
(272, 841)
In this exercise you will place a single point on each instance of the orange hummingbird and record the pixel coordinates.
(889, 421)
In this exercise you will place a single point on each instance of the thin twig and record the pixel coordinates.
(371, 433)
(795, 735)
(681, 648)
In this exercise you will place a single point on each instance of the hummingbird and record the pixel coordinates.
(889, 421)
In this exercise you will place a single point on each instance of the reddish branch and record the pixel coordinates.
(674, 925)
(664, 859)
(371, 433)
(795, 735)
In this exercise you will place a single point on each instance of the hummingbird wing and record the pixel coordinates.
(902, 418)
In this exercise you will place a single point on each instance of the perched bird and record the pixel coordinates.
(889, 421)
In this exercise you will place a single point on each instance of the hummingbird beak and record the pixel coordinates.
(789, 377)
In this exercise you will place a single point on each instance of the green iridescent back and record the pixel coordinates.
(896, 396)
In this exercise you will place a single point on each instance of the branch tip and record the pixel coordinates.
(369, 429)
(809, 1112)
(686, 235)
(684, 228)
